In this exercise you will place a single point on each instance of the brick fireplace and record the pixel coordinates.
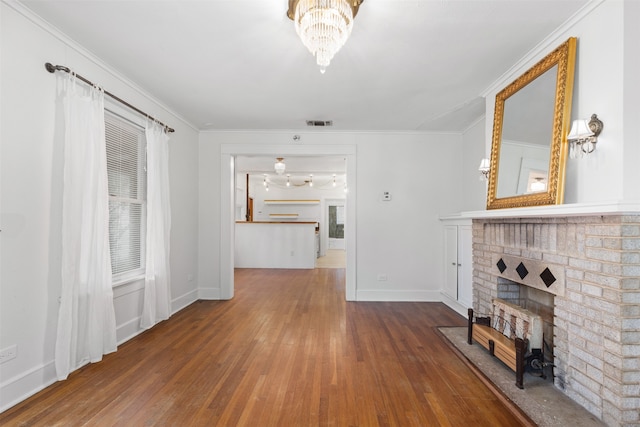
(592, 263)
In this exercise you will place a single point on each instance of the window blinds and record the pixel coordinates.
(127, 195)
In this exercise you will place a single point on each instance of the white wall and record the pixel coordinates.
(321, 191)
(631, 94)
(401, 239)
(31, 184)
(473, 190)
(428, 175)
(275, 245)
(605, 84)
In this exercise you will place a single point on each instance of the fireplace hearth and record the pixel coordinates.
(582, 275)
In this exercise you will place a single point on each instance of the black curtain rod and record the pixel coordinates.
(53, 68)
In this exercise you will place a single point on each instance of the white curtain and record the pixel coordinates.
(86, 320)
(157, 289)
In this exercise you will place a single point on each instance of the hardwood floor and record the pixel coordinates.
(333, 258)
(286, 351)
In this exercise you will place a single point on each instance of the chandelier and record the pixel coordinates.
(279, 166)
(323, 25)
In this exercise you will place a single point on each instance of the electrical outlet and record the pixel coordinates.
(8, 353)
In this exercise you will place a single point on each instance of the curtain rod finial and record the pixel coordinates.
(50, 68)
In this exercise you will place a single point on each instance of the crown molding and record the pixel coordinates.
(34, 18)
(541, 49)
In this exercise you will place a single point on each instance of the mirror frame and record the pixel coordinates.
(564, 57)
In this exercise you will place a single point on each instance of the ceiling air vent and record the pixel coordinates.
(319, 122)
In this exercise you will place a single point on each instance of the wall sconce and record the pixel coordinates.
(485, 167)
(584, 136)
(538, 185)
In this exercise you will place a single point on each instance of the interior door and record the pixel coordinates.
(451, 261)
(336, 226)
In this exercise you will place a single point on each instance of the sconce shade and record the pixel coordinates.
(579, 130)
(583, 136)
(538, 185)
(484, 168)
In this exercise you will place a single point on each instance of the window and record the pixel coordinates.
(127, 197)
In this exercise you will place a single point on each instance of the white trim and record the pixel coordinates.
(305, 131)
(128, 330)
(133, 286)
(62, 37)
(540, 50)
(455, 305)
(209, 293)
(26, 384)
(288, 150)
(399, 296)
(227, 225)
(227, 205)
(619, 207)
(125, 279)
(184, 301)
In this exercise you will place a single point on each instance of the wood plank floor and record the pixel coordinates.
(333, 258)
(286, 351)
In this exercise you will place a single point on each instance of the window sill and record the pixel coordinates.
(120, 281)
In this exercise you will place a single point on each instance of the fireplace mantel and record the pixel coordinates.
(571, 209)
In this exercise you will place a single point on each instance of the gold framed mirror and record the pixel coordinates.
(530, 127)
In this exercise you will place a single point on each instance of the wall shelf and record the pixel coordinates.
(292, 202)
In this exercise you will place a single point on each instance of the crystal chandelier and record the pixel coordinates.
(323, 25)
(279, 166)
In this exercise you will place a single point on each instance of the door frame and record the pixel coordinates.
(228, 153)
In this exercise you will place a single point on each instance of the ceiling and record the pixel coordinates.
(410, 65)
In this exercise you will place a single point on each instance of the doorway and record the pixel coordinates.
(228, 154)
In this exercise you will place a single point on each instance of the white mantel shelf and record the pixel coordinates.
(574, 209)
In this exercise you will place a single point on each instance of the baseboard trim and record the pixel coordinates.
(455, 305)
(128, 330)
(183, 301)
(25, 385)
(398, 296)
(28, 383)
(209, 293)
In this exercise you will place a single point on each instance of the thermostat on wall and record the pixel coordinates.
(386, 196)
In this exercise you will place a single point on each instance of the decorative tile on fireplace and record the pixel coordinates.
(531, 272)
(501, 265)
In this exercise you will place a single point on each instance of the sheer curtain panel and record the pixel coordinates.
(157, 289)
(86, 319)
